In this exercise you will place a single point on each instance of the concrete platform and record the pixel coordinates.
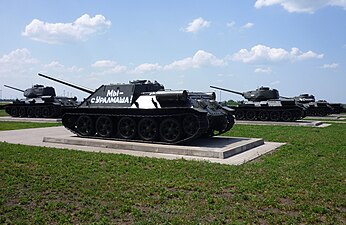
(36, 120)
(329, 117)
(216, 147)
(303, 123)
(224, 150)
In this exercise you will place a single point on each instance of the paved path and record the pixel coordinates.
(35, 137)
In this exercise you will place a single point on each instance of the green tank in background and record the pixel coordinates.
(39, 102)
(265, 104)
(320, 107)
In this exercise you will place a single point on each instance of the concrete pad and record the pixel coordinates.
(35, 137)
(329, 117)
(303, 123)
(36, 120)
(215, 147)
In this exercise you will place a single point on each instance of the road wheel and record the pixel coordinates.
(38, 112)
(104, 126)
(250, 115)
(46, 113)
(22, 112)
(274, 116)
(14, 112)
(31, 112)
(69, 121)
(147, 129)
(239, 114)
(190, 125)
(263, 115)
(85, 126)
(286, 116)
(127, 128)
(170, 130)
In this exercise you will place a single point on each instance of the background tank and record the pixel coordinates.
(265, 104)
(318, 108)
(145, 111)
(40, 101)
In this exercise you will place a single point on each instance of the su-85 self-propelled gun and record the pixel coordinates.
(265, 104)
(144, 111)
(40, 101)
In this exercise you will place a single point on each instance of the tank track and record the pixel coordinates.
(72, 121)
(318, 111)
(285, 114)
(43, 110)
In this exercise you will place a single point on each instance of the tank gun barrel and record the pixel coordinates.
(17, 89)
(90, 91)
(223, 89)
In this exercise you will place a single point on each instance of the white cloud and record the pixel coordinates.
(201, 58)
(118, 69)
(146, 67)
(104, 64)
(109, 66)
(301, 6)
(247, 26)
(265, 53)
(17, 62)
(58, 67)
(81, 29)
(18, 56)
(330, 66)
(263, 70)
(54, 64)
(196, 25)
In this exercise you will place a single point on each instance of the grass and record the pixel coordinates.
(302, 182)
(24, 125)
(2, 111)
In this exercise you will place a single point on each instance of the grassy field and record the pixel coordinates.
(2, 111)
(24, 125)
(303, 182)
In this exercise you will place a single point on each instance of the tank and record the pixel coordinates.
(40, 102)
(265, 104)
(145, 111)
(337, 108)
(315, 108)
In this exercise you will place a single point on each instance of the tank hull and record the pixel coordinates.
(317, 109)
(43, 109)
(165, 125)
(269, 113)
(337, 108)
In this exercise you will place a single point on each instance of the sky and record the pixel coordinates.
(295, 46)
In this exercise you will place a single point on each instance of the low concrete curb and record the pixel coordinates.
(302, 123)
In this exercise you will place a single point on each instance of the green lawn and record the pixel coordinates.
(301, 183)
(2, 111)
(24, 125)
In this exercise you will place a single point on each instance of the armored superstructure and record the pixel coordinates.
(40, 101)
(265, 104)
(144, 111)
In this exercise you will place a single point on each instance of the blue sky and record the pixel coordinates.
(293, 46)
